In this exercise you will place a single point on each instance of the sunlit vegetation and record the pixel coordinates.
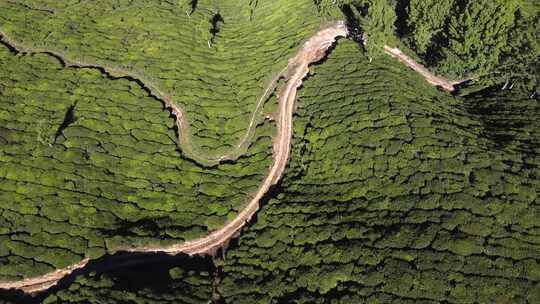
(396, 192)
(159, 42)
(397, 196)
(90, 164)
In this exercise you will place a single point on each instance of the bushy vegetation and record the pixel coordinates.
(397, 196)
(396, 192)
(90, 164)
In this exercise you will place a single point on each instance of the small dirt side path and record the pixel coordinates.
(297, 69)
(422, 70)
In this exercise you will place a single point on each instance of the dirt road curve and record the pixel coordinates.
(312, 51)
(44, 282)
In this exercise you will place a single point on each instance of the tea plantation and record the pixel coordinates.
(90, 163)
(395, 191)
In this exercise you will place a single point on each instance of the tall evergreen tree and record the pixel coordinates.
(379, 26)
(426, 20)
(477, 37)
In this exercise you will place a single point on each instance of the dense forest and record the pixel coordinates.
(485, 41)
(396, 191)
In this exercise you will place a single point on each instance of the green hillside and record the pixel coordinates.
(395, 191)
(90, 163)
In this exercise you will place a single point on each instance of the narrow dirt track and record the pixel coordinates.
(297, 69)
(430, 77)
(185, 142)
(44, 282)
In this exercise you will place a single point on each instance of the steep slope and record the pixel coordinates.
(423, 179)
(397, 193)
(424, 198)
(215, 61)
(90, 163)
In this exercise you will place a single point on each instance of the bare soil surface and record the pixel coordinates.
(422, 70)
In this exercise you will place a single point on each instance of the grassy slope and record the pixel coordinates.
(114, 177)
(395, 193)
(218, 85)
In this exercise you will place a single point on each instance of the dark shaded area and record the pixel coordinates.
(216, 22)
(193, 4)
(434, 53)
(353, 26)
(505, 115)
(402, 29)
(130, 272)
(69, 118)
(125, 229)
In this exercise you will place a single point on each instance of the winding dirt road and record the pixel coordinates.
(297, 69)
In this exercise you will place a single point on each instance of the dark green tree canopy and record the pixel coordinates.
(492, 42)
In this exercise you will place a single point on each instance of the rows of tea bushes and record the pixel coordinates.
(392, 196)
(89, 165)
(215, 61)
(397, 193)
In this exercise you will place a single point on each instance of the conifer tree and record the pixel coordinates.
(477, 37)
(426, 20)
(378, 26)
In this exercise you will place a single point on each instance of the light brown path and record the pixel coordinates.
(44, 282)
(430, 77)
(312, 51)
